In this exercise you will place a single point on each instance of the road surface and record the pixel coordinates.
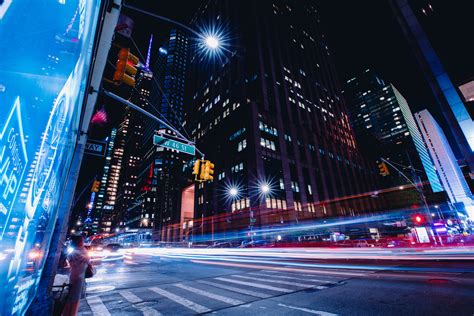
(280, 282)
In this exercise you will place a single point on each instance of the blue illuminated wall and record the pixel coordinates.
(45, 62)
(428, 165)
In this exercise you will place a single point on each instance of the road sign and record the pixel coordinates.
(173, 144)
(95, 147)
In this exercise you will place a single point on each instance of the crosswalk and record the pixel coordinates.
(207, 295)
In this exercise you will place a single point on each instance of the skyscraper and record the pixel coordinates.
(453, 110)
(272, 118)
(107, 194)
(160, 173)
(451, 175)
(379, 110)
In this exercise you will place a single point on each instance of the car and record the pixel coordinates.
(113, 247)
(256, 244)
(221, 245)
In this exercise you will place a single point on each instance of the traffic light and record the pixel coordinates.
(208, 173)
(95, 186)
(197, 169)
(383, 169)
(418, 219)
(126, 67)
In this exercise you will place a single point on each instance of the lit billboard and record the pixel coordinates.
(46, 48)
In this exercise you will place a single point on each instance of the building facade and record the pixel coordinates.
(381, 115)
(272, 118)
(443, 157)
(160, 176)
(452, 109)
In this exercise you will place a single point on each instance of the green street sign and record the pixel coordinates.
(173, 144)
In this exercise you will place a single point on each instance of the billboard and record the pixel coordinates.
(46, 57)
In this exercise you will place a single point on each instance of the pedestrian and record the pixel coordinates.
(79, 262)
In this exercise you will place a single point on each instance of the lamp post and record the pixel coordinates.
(264, 190)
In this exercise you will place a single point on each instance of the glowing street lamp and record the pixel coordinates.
(212, 42)
(265, 188)
(233, 192)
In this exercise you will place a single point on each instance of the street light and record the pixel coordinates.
(265, 188)
(212, 42)
(233, 192)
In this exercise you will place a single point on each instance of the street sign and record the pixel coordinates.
(173, 144)
(95, 147)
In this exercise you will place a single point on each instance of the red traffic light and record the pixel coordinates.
(418, 219)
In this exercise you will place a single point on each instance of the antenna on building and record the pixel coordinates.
(147, 64)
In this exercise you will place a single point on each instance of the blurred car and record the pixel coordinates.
(257, 244)
(221, 245)
(113, 247)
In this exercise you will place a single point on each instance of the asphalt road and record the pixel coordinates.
(173, 284)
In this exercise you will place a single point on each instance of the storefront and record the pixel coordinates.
(46, 51)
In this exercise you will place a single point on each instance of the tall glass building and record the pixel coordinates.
(439, 149)
(270, 114)
(453, 111)
(378, 109)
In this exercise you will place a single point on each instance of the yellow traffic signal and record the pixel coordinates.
(208, 173)
(197, 169)
(126, 67)
(383, 169)
(95, 186)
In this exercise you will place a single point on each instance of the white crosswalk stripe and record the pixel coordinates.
(148, 311)
(307, 310)
(235, 289)
(210, 295)
(304, 285)
(181, 300)
(132, 298)
(261, 286)
(338, 273)
(129, 296)
(291, 278)
(97, 306)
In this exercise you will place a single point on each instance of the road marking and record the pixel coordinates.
(147, 310)
(275, 281)
(235, 289)
(129, 296)
(98, 308)
(291, 278)
(261, 286)
(180, 300)
(100, 289)
(210, 295)
(307, 310)
(292, 270)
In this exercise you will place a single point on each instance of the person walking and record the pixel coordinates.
(79, 262)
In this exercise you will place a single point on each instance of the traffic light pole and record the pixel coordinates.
(422, 197)
(180, 137)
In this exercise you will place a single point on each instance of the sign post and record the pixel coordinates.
(169, 143)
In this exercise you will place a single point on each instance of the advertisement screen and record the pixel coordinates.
(46, 49)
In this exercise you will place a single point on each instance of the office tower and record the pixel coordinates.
(453, 110)
(450, 174)
(160, 176)
(131, 141)
(105, 200)
(379, 110)
(269, 113)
